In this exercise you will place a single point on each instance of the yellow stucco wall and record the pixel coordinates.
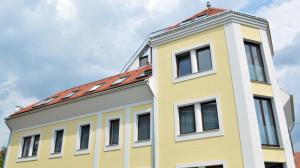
(226, 147)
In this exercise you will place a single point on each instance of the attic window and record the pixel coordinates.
(143, 61)
(71, 94)
(95, 87)
(122, 79)
(44, 102)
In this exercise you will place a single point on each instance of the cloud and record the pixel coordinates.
(9, 98)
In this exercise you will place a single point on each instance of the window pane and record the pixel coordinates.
(84, 137)
(255, 62)
(114, 132)
(267, 126)
(209, 116)
(26, 146)
(218, 166)
(184, 64)
(35, 145)
(273, 165)
(144, 127)
(187, 119)
(58, 141)
(204, 59)
(143, 61)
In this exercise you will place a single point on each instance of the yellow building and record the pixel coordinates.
(201, 93)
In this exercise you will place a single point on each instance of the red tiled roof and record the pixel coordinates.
(107, 83)
(297, 159)
(209, 12)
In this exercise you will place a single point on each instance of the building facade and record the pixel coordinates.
(202, 93)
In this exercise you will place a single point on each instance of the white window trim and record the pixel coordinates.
(137, 143)
(78, 134)
(195, 73)
(29, 158)
(201, 164)
(108, 147)
(57, 155)
(198, 134)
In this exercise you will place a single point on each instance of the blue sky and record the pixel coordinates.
(50, 45)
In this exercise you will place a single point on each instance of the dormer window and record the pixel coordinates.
(143, 61)
(120, 80)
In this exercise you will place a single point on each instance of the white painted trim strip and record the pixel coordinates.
(127, 138)
(98, 141)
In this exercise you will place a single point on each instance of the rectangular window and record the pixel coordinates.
(58, 141)
(143, 61)
(187, 119)
(209, 116)
(120, 80)
(84, 137)
(144, 127)
(266, 122)
(30, 143)
(273, 165)
(255, 62)
(204, 59)
(184, 66)
(114, 132)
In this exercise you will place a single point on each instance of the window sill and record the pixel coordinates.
(82, 152)
(55, 155)
(272, 147)
(27, 159)
(193, 76)
(260, 82)
(199, 135)
(137, 144)
(112, 148)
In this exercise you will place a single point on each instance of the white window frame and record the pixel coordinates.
(137, 143)
(202, 164)
(194, 64)
(53, 139)
(29, 158)
(199, 134)
(79, 151)
(107, 146)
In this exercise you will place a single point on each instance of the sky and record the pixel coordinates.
(50, 45)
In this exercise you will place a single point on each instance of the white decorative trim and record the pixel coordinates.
(29, 158)
(203, 164)
(98, 139)
(194, 65)
(137, 143)
(282, 129)
(108, 147)
(199, 134)
(127, 139)
(53, 139)
(78, 151)
(247, 120)
(8, 149)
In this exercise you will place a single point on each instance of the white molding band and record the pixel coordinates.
(278, 111)
(247, 120)
(97, 143)
(127, 139)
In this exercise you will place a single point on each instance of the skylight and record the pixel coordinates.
(44, 102)
(95, 87)
(120, 80)
(71, 94)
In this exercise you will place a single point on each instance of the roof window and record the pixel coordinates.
(95, 87)
(71, 94)
(120, 80)
(44, 102)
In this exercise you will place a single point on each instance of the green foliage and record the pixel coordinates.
(2, 156)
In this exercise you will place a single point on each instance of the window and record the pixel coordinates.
(114, 132)
(143, 127)
(184, 66)
(255, 62)
(30, 145)
(58, 141)
(187, 119)
(143, 61)
(266, 122)
(204, 59)
(70, 94)
(44, 102)
(84, 137)
(273, 165)
(209, 116)
(120, 80)
(95, 87)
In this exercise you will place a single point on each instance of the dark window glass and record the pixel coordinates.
(114, 132)
(255, 62)
(143, 61)
(84, 137)
(58, 141)
(218, 166)
(273, 165)
(187, 119)
(26, 146)
(204, 59)
(183, 64)
(35, 145)
(266, 122)
(144, 127)
(209, 116)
